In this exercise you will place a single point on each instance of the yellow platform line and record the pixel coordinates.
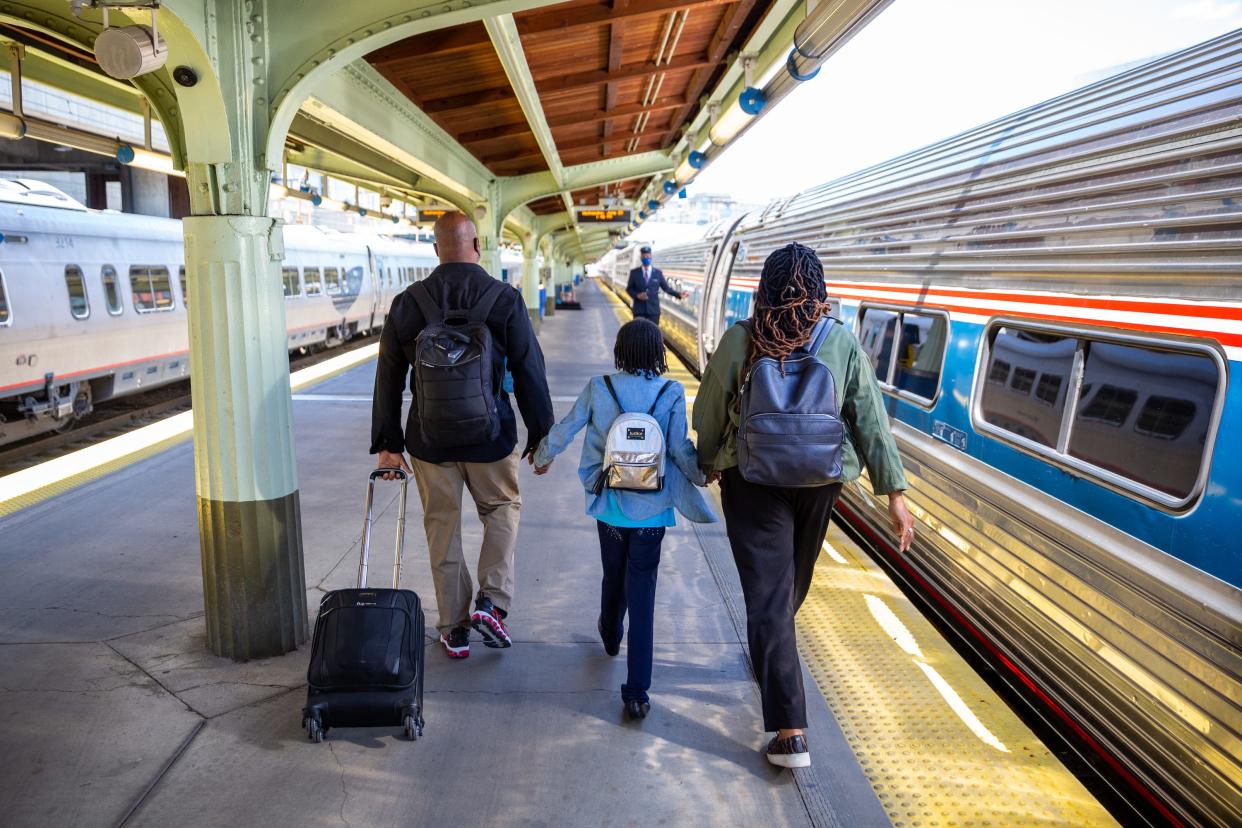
(938, 746)
(27, 487)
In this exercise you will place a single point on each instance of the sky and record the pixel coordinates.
(928, 69)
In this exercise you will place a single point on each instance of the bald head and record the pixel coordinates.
(457, 240)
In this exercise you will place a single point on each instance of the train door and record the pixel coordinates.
(376, 266)
(716, 293)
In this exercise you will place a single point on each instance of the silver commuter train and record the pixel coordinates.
(1052, 303)
(93, 303)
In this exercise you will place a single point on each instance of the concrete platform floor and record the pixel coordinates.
(113, 712)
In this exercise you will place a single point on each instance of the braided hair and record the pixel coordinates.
(640, 349)
(790, 299)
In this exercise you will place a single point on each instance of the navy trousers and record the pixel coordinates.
(631, 558)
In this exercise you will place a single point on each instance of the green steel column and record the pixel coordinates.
(254, 582)
(530, 284)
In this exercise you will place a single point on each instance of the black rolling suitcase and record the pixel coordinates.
(366, 665)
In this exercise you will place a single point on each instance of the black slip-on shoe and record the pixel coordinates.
(489, 622)
(635, 710)
(610, 647)
(790, 752)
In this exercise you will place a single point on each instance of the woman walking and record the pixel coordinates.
(776, 532)
(631, 521)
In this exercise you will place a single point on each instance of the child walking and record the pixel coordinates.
(631, 513)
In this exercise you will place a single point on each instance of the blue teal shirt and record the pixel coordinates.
(595, 410)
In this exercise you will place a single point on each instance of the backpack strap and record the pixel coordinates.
(822, 327)
(422, 296)
(486, 302)
(613, 391)
(659, 394)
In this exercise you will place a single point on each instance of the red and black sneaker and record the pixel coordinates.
(456, 643)
(489, 621)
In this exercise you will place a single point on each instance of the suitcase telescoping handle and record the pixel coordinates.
(366, 527)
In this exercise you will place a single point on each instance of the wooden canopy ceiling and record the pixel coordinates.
(615, 78)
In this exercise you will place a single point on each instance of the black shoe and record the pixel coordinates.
(635, 709)
(456, 643)
(790, 752)
(610, 647)
(489, 622)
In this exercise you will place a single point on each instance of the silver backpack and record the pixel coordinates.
(634, 449)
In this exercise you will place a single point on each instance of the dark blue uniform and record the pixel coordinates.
(650, 307)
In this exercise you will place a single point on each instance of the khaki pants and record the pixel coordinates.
(494, 487)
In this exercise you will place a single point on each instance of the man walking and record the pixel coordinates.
(457, 435)
(644, 288)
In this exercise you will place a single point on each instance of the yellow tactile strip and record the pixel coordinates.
(939, 747)
(27, 487)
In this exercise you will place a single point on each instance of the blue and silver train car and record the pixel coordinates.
(1052, 303)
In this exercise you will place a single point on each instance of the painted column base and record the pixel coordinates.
(254, 581)
(535, 319)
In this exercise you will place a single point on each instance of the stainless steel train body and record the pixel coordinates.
(1053, 305)
(93, 303)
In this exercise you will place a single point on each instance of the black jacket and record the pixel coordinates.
(513, 339)
(651, 307)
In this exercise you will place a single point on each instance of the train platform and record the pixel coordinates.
(115, 712)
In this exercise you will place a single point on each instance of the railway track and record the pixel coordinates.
(116, 417)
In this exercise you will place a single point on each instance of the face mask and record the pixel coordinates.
(646, 260)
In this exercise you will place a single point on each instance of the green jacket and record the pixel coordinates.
(717, 409)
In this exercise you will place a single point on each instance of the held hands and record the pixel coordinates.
(393, 460)
(539, 470)
(713, 476)
(901, 519)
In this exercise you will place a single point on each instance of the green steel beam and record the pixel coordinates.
(525, 188)
(360, 103)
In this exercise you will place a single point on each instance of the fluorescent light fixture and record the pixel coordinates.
(729, 124)
(684, 171)
(154, 161)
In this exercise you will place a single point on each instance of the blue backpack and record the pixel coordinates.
(791, 433)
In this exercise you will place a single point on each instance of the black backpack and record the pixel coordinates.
(791, 433)
(455, 400)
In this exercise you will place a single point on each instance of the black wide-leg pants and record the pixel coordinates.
(776, 534)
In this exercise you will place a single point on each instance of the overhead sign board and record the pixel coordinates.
(603, 215)
(430, 214)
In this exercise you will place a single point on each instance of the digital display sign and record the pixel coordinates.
(429, 215)
(603, 215)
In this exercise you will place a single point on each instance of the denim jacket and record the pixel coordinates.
(596, 409)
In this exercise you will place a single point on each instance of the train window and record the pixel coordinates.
(1009, 405)
(310, 277)
(1148, 416)
(1023, 380)
(1048, 390)
(112, 289)
(5, 316)
(351, 281)
(152, 288)
(920, 353)
(185, 287)
(289, 275)
(876, 330)
(331, 281)
(1134, 413)
(75, 283)
(913, 366)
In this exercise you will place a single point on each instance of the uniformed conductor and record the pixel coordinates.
(644, 288)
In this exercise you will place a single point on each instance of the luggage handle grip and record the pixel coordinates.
(365, 555)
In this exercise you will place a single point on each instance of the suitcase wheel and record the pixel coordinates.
(413, 727)
(314, 729)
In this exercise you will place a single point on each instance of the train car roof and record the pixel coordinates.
(37, 193)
